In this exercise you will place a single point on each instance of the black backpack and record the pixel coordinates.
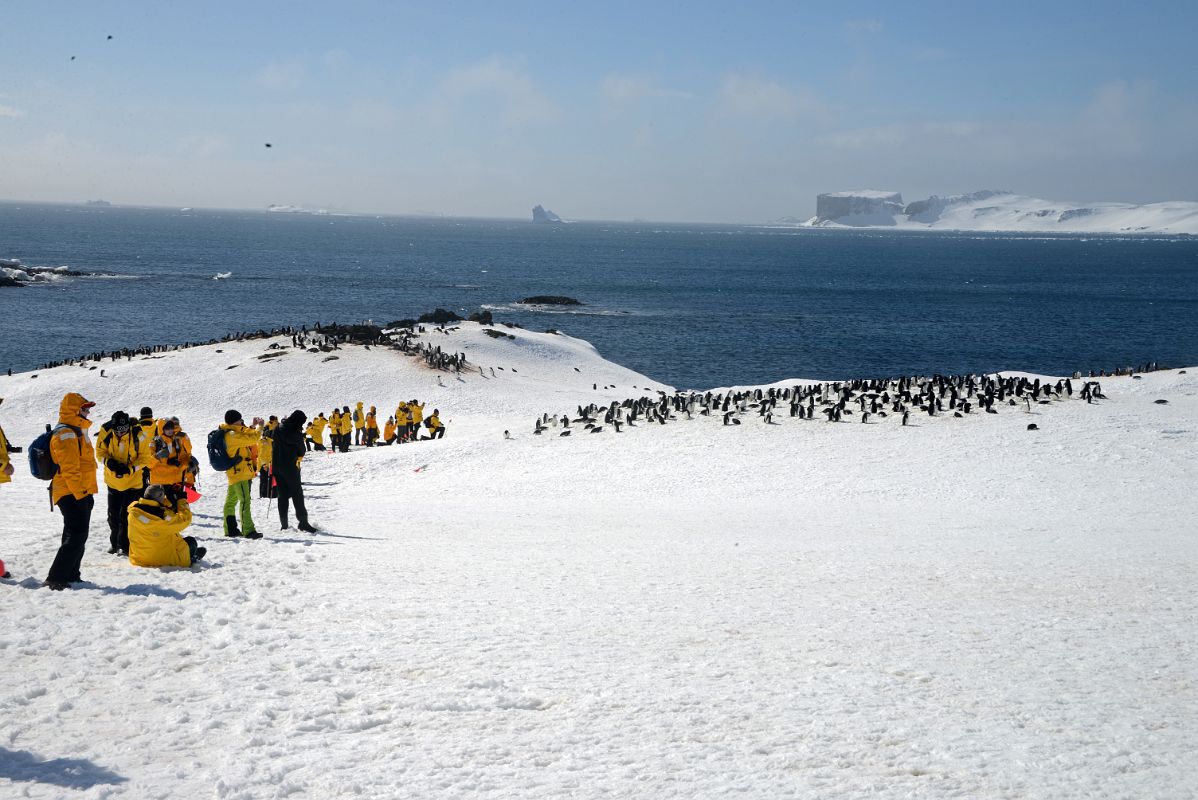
(218, 453)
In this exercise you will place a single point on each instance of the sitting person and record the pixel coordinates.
(154, 527)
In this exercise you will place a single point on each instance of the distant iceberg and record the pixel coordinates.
(539, 214)
(999, 211)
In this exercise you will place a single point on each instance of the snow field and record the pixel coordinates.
(959, 608)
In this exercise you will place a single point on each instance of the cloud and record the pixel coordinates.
(10, 112)
(281, 75)
(897, 135)
(749, 97)
(521, 103)
(618, 89)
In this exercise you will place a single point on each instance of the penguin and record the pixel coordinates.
(564, 433)
(508, 436)
(906, 416)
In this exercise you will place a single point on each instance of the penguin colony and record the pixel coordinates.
(869, 400)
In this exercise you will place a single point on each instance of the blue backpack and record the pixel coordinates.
(41, 463)
(218, 453)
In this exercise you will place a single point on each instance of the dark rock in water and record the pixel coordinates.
(7, 281)
(439, 317)
(1161, 402)
(1033, 427)
(549, 300)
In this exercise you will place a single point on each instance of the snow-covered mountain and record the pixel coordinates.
(990, 210)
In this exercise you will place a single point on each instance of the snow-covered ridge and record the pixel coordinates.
(990, 210)
(961, 607)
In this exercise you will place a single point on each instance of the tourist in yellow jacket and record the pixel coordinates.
(6, 469)
(436, 428)
(335, 430)
(241, 443)
(389, 431)
(266, 452)
(359, 418)
(416, 411)
(155, 525)
(170, 454)
(123, 452)
(73, 487)
(403, 422)
(372, 427)
(347, 429)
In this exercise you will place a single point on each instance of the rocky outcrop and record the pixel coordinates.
(549, 300)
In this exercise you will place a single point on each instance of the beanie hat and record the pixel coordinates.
(146, 412)
(156, 493)
(232, 416)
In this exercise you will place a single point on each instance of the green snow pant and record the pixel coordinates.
(239, 495)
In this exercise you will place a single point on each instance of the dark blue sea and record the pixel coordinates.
(695, 306)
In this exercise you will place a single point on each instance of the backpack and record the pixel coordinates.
(218, 453)
(357, 416)
(41, 463)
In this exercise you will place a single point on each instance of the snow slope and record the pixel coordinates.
(957, 608)
(1003, 211)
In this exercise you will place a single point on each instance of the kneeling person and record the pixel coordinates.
(154, 532)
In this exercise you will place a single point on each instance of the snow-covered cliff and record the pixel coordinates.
(866, 208)
(990, 210)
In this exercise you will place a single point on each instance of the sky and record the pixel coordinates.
(669, 111)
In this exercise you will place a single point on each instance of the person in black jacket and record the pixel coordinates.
(289, 448)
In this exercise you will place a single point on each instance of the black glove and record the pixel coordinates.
(12, 449)
(173, 461)
(116, 467)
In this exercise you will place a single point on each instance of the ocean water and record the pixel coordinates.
(695, 306)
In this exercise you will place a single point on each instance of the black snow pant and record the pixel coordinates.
(119, 501)
(76, 519)
(290, 488)
(264, 487)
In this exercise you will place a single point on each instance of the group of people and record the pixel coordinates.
(150, 474)
(361, 427)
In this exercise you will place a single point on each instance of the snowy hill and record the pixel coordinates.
(955, 608)
(990, 210)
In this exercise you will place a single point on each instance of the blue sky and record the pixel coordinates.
(665, 111)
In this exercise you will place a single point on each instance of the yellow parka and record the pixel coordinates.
(434, 422)
(347, 424)
(266, 447)
(154, 539)
(389, 429)
(335, 423)
(129, 450)
(360, 417)
(372, 421)
(241, 441)
(416, 410)
(320, 423)
(4, 459)
(402, 415)
(73, 453)
(178, 450)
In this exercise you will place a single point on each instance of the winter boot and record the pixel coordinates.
(253, 535)
(306, 528)
(231, 528)
(200, 553)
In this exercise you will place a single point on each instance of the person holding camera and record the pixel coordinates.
(123, 452)
(170, 458)
(241, 443)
